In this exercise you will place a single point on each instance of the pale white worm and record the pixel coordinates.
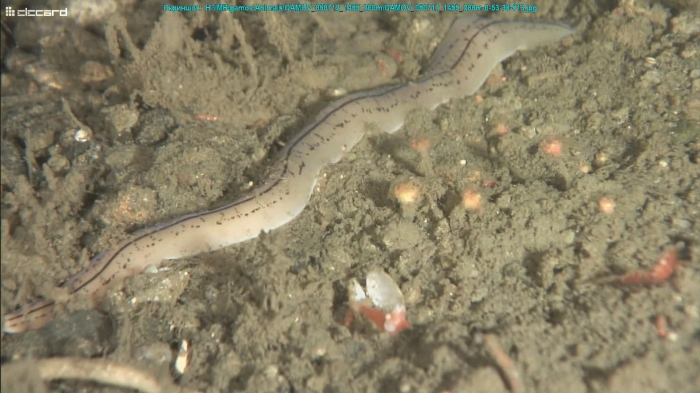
(459, 66)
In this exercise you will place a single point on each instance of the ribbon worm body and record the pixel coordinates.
(460, 65)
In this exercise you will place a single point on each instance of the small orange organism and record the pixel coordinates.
(407, 193)
(501, 129)
(661, 323)
(471, 200)
(206, 117)
(421, 145)
(607, 205)
(552, 146)
(662, 270)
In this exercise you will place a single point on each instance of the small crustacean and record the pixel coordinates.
(382, 303)
(662, 270)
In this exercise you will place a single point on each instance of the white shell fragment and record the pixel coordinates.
(355, 291)
(337, 92)
(83, 135)
(384, 292)
(182, 358)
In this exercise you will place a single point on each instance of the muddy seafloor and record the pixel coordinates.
(105, 132)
